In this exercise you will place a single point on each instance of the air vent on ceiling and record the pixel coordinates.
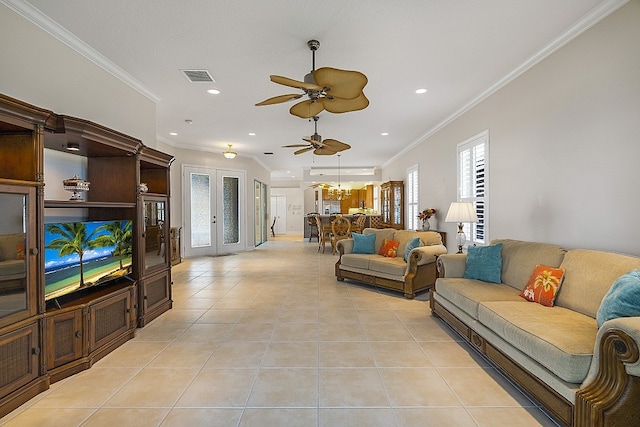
(198, 76)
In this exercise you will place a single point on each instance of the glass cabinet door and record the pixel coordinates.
(17, 238)
(156, 239)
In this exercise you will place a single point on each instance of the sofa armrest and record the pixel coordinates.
(451, 265)
(428, 254)
(611, 387)
(629, 326)
(345, 246)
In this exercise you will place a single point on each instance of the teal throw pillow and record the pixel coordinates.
(412, 244)
(622, 299)
(364, 243)
(484, 263)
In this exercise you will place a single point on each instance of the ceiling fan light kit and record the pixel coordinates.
(229, 153)
(328, 89)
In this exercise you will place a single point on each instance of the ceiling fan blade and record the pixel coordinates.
(324, 151)
(307, 109)
(279, 99)
(338, 105)
(344, 84)
(295, 145)
(335, 145)
(304, 150)
(294, 83)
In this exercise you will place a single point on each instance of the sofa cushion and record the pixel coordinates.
(467, 293)
(394, 266)
(588, 276)
(357, 260)
(543, 285)
(484, 263)
(622, 299)
(363, 243)
(381, 234)
(389, 248)
(411, 245)
(520, 258)
(428, 238)
(559, 339)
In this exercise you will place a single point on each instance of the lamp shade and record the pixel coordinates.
(461, 212)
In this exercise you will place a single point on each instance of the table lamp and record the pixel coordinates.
(461, 212)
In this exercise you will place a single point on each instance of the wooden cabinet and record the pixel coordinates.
(43, 341)
(154, 272)
(86, 327)
(21, 376)
(22, 368)
(392, 204)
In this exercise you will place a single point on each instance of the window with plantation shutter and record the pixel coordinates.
(411, 189)
(473, 184)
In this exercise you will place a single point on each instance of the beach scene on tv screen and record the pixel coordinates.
(82, 254)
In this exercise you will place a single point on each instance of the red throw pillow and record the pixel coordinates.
(389, 248)
(543, 285)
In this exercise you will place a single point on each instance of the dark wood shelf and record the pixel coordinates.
(72, 204)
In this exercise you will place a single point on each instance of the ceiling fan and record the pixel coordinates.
(330, 89)
(319, 146)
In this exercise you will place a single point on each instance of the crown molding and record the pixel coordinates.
(45, 23)
(594, 16)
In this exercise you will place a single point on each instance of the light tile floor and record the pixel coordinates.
(269, 338)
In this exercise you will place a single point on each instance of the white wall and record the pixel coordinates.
(564, 147)
(40, 70)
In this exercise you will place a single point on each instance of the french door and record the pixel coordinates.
(213, 211)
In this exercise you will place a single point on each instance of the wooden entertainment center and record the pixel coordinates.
(43, 341)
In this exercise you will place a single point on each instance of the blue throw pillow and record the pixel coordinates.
(412, 244)
(622, 299)
(484, 263)
(364, 243)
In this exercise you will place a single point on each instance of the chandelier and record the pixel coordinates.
(338, 193)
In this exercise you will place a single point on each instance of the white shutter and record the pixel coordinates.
(473, 183)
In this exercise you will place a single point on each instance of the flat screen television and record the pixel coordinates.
(78, 255)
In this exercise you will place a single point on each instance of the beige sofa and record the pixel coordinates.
(416, 275)
(583, 375)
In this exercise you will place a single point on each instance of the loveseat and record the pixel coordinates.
(408, 271)
(582, 374)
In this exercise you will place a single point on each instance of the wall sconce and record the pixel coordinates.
(73, 146)
(229, 154)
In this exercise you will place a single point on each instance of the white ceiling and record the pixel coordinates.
(458, 50)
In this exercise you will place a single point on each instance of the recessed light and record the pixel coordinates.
(73, 146)
(384, 133)
(173, 134)
(420, 91)
(188, 121)
(213, 91)
(252, 134)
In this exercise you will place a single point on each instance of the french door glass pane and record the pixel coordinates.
(231, 210)
(200, 210)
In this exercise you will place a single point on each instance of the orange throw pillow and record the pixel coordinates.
(543, 285)
(389, 248)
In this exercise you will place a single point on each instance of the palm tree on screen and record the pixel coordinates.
(74, 240)
(120, 235)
